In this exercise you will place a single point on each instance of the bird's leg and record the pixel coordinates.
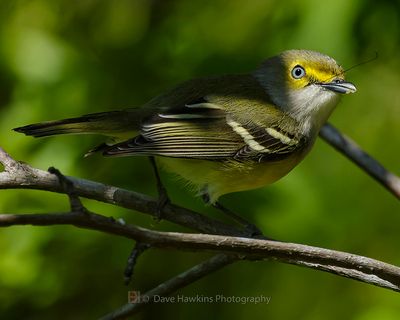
(250, 227)
(163, 198)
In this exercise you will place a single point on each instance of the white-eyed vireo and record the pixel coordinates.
(226, 133)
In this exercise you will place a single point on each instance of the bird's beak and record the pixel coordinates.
(339, 86)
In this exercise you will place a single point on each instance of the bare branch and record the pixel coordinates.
(344, 264)
(26, 177)
(166, 288)
(352, 151)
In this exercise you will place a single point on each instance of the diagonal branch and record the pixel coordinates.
(166, 288)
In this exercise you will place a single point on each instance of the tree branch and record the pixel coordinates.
(25, 177)
(341, 263)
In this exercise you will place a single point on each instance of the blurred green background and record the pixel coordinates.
(65, 58)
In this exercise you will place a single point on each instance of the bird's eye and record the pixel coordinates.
(298, 72)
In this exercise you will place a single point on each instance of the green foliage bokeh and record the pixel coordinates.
(65, 58)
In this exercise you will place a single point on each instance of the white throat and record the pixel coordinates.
(311, 106)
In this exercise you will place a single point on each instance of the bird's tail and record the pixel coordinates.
(114, 123)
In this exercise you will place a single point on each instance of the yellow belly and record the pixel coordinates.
(218, 178)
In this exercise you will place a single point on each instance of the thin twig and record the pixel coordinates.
(166, 288)
(136, 252)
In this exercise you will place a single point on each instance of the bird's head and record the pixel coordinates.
(305, 84)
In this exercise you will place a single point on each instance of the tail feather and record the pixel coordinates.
(111, 123)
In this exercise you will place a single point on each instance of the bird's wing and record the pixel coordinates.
(205, 129)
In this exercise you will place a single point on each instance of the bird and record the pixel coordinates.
(227, 133)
